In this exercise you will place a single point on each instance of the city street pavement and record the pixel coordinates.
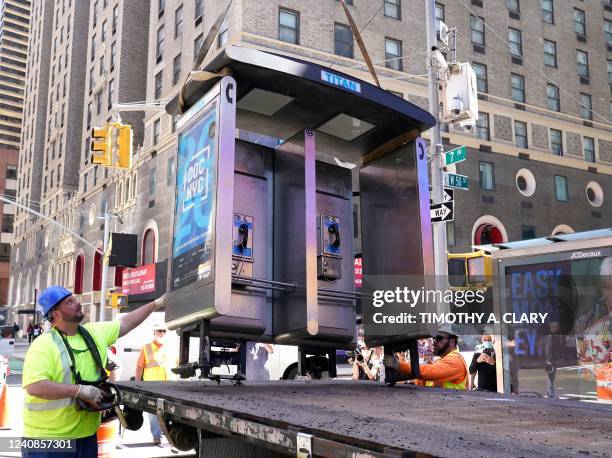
(128, 444)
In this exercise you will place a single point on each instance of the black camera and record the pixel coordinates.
(355, 355)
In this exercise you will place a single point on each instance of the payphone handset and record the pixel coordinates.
(330, 258)
(242, 245)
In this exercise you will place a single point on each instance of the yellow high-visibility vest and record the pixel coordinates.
(155, 362)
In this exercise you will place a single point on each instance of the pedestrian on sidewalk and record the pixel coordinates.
(15, 330)
(30, 332)
(64, 371)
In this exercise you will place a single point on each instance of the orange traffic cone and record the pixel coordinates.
(107, 438)
(604, 383)
(4, 408)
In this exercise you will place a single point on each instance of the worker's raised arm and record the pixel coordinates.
(135, 317)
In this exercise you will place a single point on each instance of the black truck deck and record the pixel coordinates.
(363, 419)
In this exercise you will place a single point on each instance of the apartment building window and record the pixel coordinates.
(92, 81)
(156, 131)
(199, 8)
(159, 49)
(513, 5)
(99, 102)
(343, 40)
(552, 97)
(556, 142)
(103, 34)
(477, 30)
(518, 88)
(548, 11)
(223, 33)
(113, 54)
(93, 47)
(95, 13)
(482, 126)
(158, 85)
(161, 6)
(115, 18)
(288, 26)
(439, 17)
(579, 22)
(393, 9)
(528, 232)
(520, 134)
(550, 53)
(608, 31)
(152, 181)
(561, 192)
(516, 42)
(393, 54)
(582, 62)
(89, 115)
(101, 63)
(586, 106)
(178, 21)
(610, 73)
(8, 222)
(481, 76)
(11, 172)
(487, 177)
(176, 69)
(170, 171)
(111, 93)
(588, 145)
(197, 44)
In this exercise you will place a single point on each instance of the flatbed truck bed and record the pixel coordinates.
(338, 418)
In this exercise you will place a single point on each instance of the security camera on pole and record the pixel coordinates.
(454, 84)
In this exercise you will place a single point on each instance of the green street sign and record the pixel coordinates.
(453, 180)
(455, 155)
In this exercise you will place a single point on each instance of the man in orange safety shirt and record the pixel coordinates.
(450, 371)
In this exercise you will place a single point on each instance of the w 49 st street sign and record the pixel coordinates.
(453, 180)
(455, 155)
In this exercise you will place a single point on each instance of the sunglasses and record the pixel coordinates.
(439, 338)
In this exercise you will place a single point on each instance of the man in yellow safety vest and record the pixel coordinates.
(450, 371)
(153, 364)
(63, 374)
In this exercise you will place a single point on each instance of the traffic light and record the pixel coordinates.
(470, 270)
(116, 300)
(124, 147)
(102, 144)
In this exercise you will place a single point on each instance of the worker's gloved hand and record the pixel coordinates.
(391, 362)
(160, 302)
(90, 393)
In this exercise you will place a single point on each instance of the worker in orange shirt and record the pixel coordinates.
(450, 371)
(154, 362)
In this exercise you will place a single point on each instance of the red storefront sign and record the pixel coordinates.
(139, 280)
(358, 273)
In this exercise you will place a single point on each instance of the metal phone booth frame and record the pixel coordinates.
(267, 254)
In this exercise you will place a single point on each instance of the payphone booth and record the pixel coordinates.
(270, 154)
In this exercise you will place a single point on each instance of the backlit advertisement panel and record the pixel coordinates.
(192, 248)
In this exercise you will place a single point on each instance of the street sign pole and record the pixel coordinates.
(437, 177)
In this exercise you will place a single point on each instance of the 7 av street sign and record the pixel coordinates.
(441, 212)
(455, 181)
(455, 155)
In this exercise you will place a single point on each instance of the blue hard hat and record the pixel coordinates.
(52, 296)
